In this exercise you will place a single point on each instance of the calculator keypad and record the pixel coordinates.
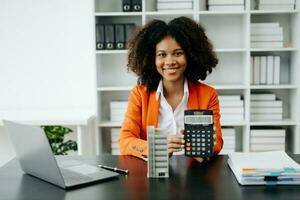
(199, 141)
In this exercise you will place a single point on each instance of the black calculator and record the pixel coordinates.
(198, 133)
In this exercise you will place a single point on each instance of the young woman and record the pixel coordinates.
(169, 60)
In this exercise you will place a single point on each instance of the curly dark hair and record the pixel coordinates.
(187, 33)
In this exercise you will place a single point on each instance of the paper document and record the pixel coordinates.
(264, 168)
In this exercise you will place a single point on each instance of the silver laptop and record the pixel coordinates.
(36, 158)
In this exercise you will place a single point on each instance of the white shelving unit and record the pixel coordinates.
(230, 35)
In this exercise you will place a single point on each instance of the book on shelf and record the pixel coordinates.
(252, 70)
(266, 38)
(115, 152)
(262, 96)
(100, 37)
(277, 103)
(256, 70)
(276, 7)
(136, 5)
(267, 147)
(232, 117)
(267, 140)
(267, 133)
(174, 5)
(225, 2)
(126, 5)
(276, 72)
(117, 110)
(266, 31)
(265, 25)
(270, 70)
(228, 131)
(109, 31)
(272, 44)
(129, 29)
(267, 110)
(226, 7)
(120, 36)
(277, 2)
(263, 70)
(115, 149)
(231, 110)
(261, 117)
(118, 104)
(233, 103)
(229, 97)
(172, 1)
(229, 145)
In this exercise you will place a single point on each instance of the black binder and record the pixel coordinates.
(136, 5)
(129, 28)
(100, 36)
(126, 5)
(109, 36)
(120, 36)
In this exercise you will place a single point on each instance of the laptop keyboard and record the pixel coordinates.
(72, 178)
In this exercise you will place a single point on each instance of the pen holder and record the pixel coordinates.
(158, 157)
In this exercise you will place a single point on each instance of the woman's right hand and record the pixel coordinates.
(175, 143)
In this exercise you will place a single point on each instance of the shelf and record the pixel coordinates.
(173, 12)
(272, 49)
(207, 12)
(273, 11)
(117, 14)
(122, 51)
(283, 86)
(284, 122)
(233, 123)
(221, 50)
(109, 124)
(114, 88)
(228, 87)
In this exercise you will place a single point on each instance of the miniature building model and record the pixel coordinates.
(158, 157)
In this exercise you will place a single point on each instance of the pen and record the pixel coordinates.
(121, 171)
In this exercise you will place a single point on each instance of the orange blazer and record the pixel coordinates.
(143, 109)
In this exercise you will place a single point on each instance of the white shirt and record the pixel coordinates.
(167, 119)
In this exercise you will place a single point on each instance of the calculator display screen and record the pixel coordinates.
(198, 119)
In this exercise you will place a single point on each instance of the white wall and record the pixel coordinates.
(47, 54)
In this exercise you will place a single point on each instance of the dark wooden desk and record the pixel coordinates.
(188, 180)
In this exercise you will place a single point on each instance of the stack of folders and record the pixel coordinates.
(266, 35)
(264, 168)
(113, 36)
(265, 107)
(231, 108)
(276, 5)
(226, 5)
(228, 135)
(117, 110)
(265, 70)
(163, 5)
(115, 149)
(267, 140)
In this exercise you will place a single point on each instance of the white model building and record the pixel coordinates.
(158, 157)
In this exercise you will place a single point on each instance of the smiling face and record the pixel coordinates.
(170, 60)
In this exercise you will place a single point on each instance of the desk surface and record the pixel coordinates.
(188, 180)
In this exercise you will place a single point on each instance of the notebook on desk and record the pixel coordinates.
(36, 158)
